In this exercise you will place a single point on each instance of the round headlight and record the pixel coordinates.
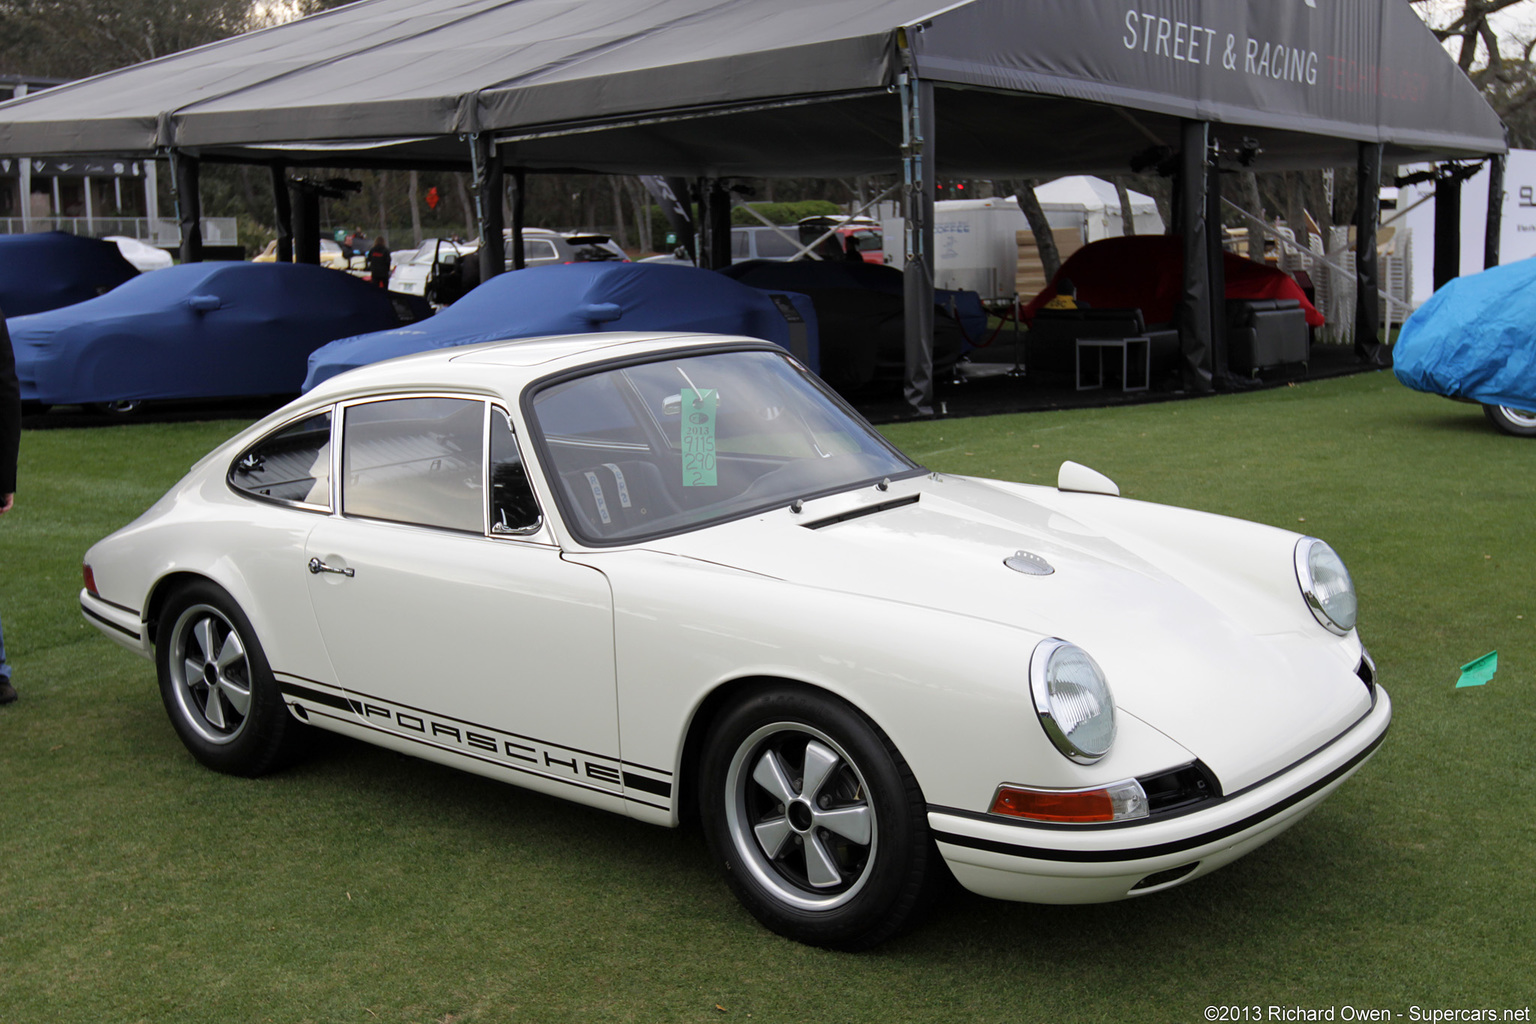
(1326, 585)
(1072, 699)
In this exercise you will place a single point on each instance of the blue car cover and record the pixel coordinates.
(578, 298)
(1475, 338)
(52, 269)
(198, 330)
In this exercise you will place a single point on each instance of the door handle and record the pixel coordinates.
(316, 567)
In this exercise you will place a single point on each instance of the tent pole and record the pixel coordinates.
(1447, 229)
(1216, 271)
(718, 216)
(306, 222)
(698, 198)
(485, 160)
(519, 201)
(282, 209)
(189, 205)
(1495, 230)
(1367, 272)
(1194, 313)
(918, 174)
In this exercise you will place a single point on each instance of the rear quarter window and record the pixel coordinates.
(290, 465)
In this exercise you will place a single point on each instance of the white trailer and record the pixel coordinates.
(977, 241)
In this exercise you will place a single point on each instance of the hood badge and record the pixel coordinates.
(1029, 563)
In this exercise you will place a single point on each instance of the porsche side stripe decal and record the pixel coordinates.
(497, 763)
(597, 772)
(645, 785)
(304, 693)
(108, 622)
(1161, 849)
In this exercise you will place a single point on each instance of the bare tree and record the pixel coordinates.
(1045, 239)
(74, 38)
(1471, 22)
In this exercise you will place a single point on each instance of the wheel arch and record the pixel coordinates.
(167, 586)
(708, 712)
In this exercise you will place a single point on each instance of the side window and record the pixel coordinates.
(514, 510)
(539, 249)
(415, 460)
(291, 465)
(771, 243)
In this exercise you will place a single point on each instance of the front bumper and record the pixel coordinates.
(1085, 864)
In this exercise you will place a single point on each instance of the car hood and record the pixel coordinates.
(1180, 650)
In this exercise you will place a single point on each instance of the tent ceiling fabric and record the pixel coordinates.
(783, 87)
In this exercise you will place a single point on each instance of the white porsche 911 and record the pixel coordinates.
(675, 576)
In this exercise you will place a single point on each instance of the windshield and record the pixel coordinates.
(681, 443)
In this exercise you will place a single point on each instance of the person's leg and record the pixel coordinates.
(7, 691)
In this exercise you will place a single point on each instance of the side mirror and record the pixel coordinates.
(601, 312)
(1076, 477)
(203, 303)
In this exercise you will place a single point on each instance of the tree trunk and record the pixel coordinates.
(640, 202)
(1254, 205)
(471, 222)
(1127, 215)
(1045, 241)
(381, 186)
(617, 185)
(416, 209)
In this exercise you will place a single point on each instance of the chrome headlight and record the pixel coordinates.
(1073, 700)
(1326, 586)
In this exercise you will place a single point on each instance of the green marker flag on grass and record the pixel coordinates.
(1479, 670)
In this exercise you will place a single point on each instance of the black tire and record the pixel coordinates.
(217, 687)
(1519, 422)
(847, 861)
(122, 409)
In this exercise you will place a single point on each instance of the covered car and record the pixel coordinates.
(142, 255)
(1146, 272)
(54, 268)
(197, 330)
(862, 311)
(589, 296)
(675, 577)
(1475, 340)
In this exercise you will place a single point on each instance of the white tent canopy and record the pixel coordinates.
(1093, 206)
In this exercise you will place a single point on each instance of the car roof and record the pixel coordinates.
(519, 361)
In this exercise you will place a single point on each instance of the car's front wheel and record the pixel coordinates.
(816, 819)
(1519, 422)
(217, 686)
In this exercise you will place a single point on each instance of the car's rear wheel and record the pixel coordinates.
(1519, 422)
(217, 687)
(816, 819)
(127, 407)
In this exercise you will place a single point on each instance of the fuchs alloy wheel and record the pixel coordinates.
(217, 687)
(816, 819)
(1519, 422)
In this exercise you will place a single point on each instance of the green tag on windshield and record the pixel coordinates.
(698, 441)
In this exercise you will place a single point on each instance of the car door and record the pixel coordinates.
(447, 610)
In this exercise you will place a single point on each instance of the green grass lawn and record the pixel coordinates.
(363, 886)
